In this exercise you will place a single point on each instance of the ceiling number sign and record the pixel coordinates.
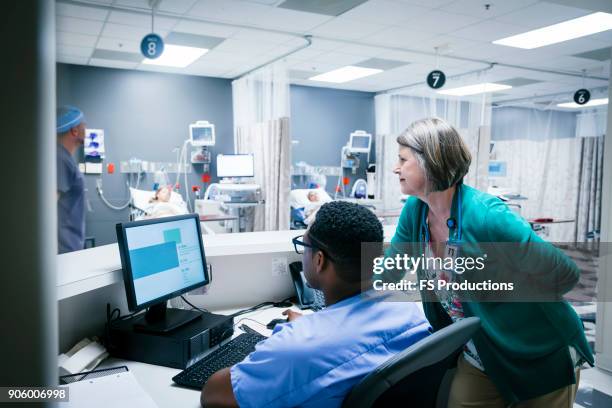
(152, 46)
(436, 79)
(582, 96)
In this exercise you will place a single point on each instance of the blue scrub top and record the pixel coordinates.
(71, 203)
(316, 360)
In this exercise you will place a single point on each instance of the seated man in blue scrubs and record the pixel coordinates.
(315, 360)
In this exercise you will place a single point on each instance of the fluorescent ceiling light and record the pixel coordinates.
(474, 89)
(592, 102)
(177, 56)
(556, 33)
(345, 74)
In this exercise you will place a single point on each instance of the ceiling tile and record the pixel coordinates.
(289, 20)
(427, 3)
(477, 8)
(363, 50)
(193, 40)
(117, 44)
(380, 63)
(130, 57)
(177, 6)
(439, 22)
(89, 13)
(72, 51)
(488, 30)
(261, 35)
(541, 15)
(328, 7)
(196, 27)
(385, 12)
(78, 25)
(346, 28)
(127, 32)
(244, 47)
(141, 20)
(80, 40)
(601, 54)
(397, 37)
(334, 57)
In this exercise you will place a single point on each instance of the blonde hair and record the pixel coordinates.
(440, 151)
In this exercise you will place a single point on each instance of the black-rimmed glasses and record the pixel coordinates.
(299, 244)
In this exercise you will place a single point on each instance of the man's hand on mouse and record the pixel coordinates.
(291, 315)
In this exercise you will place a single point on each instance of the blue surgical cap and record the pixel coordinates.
(68, 117)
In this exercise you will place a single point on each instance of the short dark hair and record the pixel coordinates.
(340, 227)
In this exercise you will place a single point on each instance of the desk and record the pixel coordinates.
(157, 380)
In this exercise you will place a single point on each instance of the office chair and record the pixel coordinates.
(415, 374)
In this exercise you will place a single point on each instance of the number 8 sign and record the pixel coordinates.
(582, 96)
(152, 46)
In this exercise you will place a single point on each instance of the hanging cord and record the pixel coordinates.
(112, 206)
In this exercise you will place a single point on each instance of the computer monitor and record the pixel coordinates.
(235, 165)
(161, 259)
(360, 142)
(202, 133)
(497, 168)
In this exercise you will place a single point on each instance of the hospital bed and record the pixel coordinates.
(142, 208)
(301, 206)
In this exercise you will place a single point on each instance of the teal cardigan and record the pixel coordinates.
(523, 346)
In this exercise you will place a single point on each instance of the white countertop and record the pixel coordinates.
(82, 271)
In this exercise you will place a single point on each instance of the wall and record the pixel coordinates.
(322, 121)
(509, 123)
(144, 115)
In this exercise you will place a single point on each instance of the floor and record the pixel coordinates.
(595, 390)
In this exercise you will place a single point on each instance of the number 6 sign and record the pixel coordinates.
(152, 46)
(582, 96)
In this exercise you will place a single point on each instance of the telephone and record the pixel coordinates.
(84, 356)
(307, 296)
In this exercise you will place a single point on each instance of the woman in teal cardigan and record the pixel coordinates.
(525, 353)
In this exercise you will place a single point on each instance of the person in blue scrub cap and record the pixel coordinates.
(70, 184)
(315, 360)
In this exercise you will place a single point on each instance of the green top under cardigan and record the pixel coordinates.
(524, 347)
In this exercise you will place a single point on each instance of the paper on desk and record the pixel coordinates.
(115, 390)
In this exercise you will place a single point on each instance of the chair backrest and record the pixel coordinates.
(420, 368)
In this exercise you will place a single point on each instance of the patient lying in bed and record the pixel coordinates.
(160, 205)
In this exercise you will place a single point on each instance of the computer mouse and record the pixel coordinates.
(274, 322)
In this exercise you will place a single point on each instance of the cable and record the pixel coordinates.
(108, 204)
(193, 306)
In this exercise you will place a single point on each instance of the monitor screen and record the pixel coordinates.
(497, 169)
(161, 258)
(235, 165)
(361, 142)
(202, 134)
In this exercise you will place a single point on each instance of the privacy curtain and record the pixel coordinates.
(261, 128)
(559, 170)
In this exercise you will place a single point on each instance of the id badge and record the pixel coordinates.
(452, 251)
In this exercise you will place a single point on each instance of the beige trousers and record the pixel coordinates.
(472, 388)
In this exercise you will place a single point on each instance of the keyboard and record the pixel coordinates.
(319, 301)
(227, 355)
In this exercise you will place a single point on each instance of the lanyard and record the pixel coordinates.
(425, 227)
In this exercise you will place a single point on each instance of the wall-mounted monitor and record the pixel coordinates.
(202, 133)
(360, 142)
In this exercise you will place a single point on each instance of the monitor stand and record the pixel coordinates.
(160, 319)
